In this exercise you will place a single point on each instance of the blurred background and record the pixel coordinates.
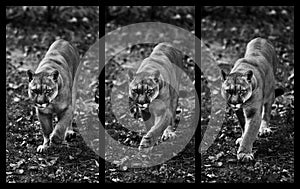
(181, 16)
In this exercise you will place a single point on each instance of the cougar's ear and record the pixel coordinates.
(30, 75)
(224, 75)
(156, 75)
(130, 75)
(249, 75)
(54, 75)
(225, 68)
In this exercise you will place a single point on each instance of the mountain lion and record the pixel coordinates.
(52, 88)
(249, 90)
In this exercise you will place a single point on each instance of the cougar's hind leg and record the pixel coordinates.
(70, 133)
(264, 129)
(169, 132)
(174, 105)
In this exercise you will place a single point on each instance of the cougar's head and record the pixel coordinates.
(43, 87)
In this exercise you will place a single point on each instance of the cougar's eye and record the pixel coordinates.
(134, 90)
(243, 91)
(149, 90)
(48, 90)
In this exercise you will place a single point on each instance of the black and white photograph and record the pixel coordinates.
(149, 94)
(254, 48)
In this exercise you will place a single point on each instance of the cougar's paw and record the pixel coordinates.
(245, 157)
(264, 131)
(168, 134)
(70, 135)
(238, 141)
(146, 142)
(42, 148)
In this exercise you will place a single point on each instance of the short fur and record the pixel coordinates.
(52, 88)
(250, 90)
(153, 91)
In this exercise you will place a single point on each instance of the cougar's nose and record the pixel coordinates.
(235, 99)
(44, 105)
(143, 106)
(235, 107)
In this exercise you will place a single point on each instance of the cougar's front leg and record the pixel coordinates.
(161, 115)
(161, 122)
(63, 126)
(240, 115)
(46, 125)
(252, 124)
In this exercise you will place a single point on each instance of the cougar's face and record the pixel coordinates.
(42, 89)
(236, 90)
(143, 90)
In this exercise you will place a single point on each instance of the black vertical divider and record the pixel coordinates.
(102, 92)
(198, 87)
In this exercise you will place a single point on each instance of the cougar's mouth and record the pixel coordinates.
(143, 106)
(42, 105)
(235, 107)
